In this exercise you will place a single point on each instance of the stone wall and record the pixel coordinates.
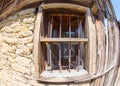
(16, 47)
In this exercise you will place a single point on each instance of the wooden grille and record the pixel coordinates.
(64, 42)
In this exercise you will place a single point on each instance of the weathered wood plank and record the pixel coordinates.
(117, 81)
(100, 50)
(37, 44)
(63, 39)
(110, 54)
(92, 42)
(115, 55)
(65, 6)
(90, 26)
(14, 8)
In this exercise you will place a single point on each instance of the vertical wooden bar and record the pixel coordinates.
(60, 26)
(78, 43)
(59, 44)
(51, 27)
(36, 47)
(69, 26)
(50, 58)
(81, 45)
(90, 25)
(69, 45)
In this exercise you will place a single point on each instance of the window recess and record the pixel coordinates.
(64, 41)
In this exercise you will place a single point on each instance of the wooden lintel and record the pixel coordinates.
(63, 39)
(65, 6)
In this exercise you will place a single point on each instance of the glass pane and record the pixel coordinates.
(56, 27)
(74, 27)
(65, 26)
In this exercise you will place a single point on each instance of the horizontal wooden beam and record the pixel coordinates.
(17, 7)
(86, 3)
(63, 39)
(65, 6)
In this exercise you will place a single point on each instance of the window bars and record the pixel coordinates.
(65, 42)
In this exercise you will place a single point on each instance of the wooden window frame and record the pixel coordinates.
(38, 54)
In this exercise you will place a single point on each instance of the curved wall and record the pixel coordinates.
(16, 51)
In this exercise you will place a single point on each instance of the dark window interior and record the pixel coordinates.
(64, 55)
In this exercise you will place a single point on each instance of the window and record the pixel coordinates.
(63, 41)
(62, 52)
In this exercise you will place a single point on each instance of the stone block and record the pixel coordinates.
(3, 60)
(20, 69)
(28, 20)
(32, 26)
(23, 50)
(11, 59)
(25, 33)
(27, 40)
(15, 24)
(11, 35)
(12, 41)
(13, 30)
(23, 61)
(20, 79)
(5, 48)
(30, 46)
(4, 28)
(11, 55)
(1, 40)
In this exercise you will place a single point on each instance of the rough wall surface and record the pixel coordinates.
(16, 45)
(16, 51)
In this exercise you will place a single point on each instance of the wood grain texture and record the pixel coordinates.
(92, 42)
(36, 43)
(65, 6)
(17, 7)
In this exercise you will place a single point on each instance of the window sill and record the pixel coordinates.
(63, 77)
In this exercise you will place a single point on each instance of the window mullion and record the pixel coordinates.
(79, 27)
(51, 27)
(60, 26)
(59, 44)
(50, 59)
(69, 60)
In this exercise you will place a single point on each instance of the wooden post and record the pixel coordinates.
(69, 45)
(91, 42)
(100, 50)
(59, 44)
(36, 43)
